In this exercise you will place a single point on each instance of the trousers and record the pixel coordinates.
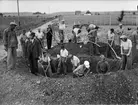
(126, 62)
(11, 57)
(62, 63)
(49, 42)
(61, 34)
(33, 64)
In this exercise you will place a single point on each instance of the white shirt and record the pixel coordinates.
(126, 45)
(39, 35)
(76, 31)
(75, 61)
(63, 53)
(110, 35)
(62, 26)
(32, 40)
(28, 34)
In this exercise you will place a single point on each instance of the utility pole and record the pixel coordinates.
(49, 9)
(18, 12)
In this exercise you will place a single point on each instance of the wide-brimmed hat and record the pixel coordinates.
(120, 24)
(102, 56)
(123, 36)
(87, 64)
(13, 23)
(92, 26)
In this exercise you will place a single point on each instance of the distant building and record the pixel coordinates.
(77, 12)
(1, 15)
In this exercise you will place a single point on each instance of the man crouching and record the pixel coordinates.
(80, 70)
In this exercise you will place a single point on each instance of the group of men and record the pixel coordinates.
(127, 41)
(33, 44)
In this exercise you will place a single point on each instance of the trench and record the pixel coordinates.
(83, 53)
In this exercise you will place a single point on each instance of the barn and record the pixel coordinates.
(77, 12)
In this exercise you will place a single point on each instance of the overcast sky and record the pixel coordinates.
(50, 6)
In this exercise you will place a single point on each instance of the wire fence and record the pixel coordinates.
(102, 19)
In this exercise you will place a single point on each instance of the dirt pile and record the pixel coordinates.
(19, 87)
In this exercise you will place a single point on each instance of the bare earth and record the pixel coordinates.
(20, 87)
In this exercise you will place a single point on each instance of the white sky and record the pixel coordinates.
(58, 6)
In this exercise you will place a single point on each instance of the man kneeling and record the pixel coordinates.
(80, 70)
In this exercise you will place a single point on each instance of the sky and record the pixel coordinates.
(51, 6)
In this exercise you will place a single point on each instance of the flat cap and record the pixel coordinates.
(123, 36)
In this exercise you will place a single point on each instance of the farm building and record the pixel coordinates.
(1, 15)
(77, 12)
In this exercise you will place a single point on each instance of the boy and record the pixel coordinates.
(23, 39)
(102, 65)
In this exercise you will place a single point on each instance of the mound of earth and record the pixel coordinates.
(19, 87)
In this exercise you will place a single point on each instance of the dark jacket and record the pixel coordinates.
(33, 49)
(49, 33)
(103, 67)
(10, 38)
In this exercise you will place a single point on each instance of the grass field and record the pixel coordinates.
(102, 19)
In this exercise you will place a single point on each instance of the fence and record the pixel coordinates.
(102, 19)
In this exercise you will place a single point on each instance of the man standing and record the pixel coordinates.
(102, 65)
(75, 32)
(49, 36)
(110, 38)
(63, 59)
(33, 52)
(93, 39)
(10, 45)
(40, 36)
(62, 27)
(23, 39)
(119, 32)
(134, 38)
(126, 46)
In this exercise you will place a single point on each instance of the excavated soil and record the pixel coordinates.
(19, 87)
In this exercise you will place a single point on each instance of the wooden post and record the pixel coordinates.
(18, 12)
